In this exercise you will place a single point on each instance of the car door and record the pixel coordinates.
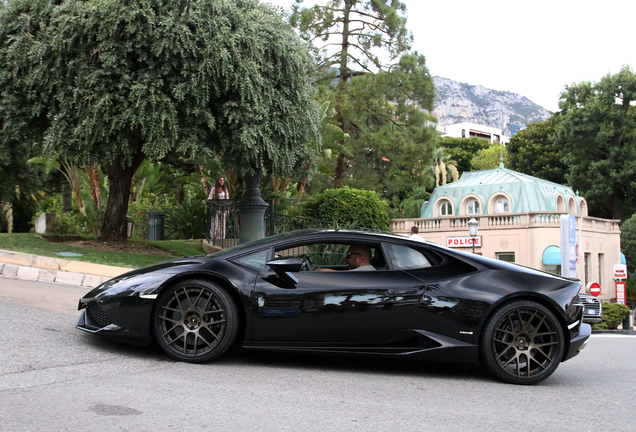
(334, 307)
(450, 304)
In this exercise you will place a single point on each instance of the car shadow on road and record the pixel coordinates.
(358, 364)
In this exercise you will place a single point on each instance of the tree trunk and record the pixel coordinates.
(615, 210)
(119, 182)
(301, 189)
(204, 181)
(342, 79)
(93, 179)
(337, 175)
(67, 197)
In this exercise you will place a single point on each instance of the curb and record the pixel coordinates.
(615, 332)
(25, 266)
(209, 248)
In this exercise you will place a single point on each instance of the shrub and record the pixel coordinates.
(613, 315)
(187, 220)
(68, 224)
(65, 223)
(350, 207)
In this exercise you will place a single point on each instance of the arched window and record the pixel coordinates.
(445, 209)
(502, 205)
(560, 204)
(472, 207)
(571, 206)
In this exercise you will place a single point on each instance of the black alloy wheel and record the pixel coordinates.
(195, 321)
(522, 343)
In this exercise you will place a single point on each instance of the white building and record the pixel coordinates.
(474, 130)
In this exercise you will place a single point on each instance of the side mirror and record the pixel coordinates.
(285, 267)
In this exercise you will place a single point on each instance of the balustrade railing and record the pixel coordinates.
(498, 221)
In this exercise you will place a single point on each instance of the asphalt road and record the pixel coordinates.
(56, 378)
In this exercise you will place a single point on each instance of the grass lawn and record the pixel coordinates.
(133, 254)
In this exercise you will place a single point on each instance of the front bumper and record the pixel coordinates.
(579, 342)
(88, 323)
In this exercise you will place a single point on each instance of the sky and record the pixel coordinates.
(533, 48)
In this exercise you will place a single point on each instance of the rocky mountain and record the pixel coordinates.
(458, 102)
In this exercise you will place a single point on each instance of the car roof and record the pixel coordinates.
(310, 234)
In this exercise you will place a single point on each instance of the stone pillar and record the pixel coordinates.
(252, 208)
(45, 223)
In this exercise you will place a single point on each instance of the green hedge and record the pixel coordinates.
(613, 315)
(348, 207)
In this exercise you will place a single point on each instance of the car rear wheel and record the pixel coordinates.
(522, 343)
(195, 321)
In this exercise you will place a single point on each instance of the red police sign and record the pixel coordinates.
(463, 241)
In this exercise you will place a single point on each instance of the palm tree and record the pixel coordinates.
(442, 164)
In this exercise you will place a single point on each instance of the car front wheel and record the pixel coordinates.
(522, 343)
(195, 321)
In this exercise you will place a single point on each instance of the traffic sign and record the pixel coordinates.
(594, 288)
(620, 271)
(620, 292)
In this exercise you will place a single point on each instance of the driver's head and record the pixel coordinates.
(358, 256)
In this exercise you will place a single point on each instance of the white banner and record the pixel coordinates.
(568, 245)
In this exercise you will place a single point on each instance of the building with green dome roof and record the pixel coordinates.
(518, 220)
(501, 191)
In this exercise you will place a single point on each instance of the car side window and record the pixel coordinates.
(255, 260)
(329, 255)
(320, 254)
(405, 257)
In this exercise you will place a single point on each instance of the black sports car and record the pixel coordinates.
(295, 292)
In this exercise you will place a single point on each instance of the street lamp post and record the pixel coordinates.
(472, 226)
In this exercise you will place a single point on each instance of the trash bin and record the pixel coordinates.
(155, 226)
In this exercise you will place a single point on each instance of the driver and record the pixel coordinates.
(358, 258)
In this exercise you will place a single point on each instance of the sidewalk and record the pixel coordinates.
(46, 269)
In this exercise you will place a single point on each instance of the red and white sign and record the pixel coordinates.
(620, 271)
(594, 288)
(463, 241)
(620, 292)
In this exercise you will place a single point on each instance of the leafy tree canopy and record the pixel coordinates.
(490, 157)
(358, 28)
(598, 134)
(535, 151)
(378, 101)
(122, 81)
(390, 138)
(462, 150)
(628, 242)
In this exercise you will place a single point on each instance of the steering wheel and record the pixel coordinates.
(306, 265)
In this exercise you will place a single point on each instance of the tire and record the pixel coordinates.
(522, 343)
(195, 321)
